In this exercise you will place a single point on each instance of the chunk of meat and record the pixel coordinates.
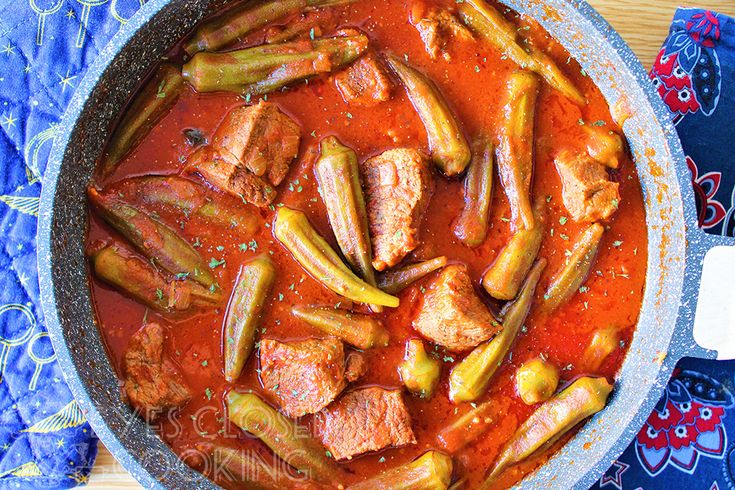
(152, 383)
(452, 314)
(250, 152)
(355, 366)
(365, 82)
(588, 193)
(398, 185)
(303, 376)
(436, 27)
(368, 419)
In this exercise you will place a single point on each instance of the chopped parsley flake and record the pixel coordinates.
(213, 263)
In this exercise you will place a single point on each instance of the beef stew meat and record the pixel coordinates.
(452, 315)
(365, 82)
(367, 419)
(250, 153)
(302, 312)
(304, 376)
(588, 193)
(152, 384)
(398, 185)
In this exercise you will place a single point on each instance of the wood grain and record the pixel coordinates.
(642, 23)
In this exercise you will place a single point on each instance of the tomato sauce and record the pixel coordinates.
(473, 83)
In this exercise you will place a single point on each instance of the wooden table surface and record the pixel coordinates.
(642, 23)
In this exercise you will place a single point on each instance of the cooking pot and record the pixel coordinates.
(676, 247)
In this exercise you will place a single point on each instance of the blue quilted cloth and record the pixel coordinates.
(45, 46)
(45, 441)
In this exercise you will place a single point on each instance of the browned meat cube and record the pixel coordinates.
(368, 419)
(398, 185)
(250, 152)
(587, 191)
(452, 314)
(365, 82)
(152, 382)
(436, 27)
(303, 376)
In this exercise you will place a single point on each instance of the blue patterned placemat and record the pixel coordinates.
(45, 47)
(45, 441)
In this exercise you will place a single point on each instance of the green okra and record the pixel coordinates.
(536, 381)
(247, 17)
(282, 435)
(448, 146)
(515, 146)
(490, 24)
(468, 427)
(157, 241)
(120, 267)
(183, 195)
(472, 225)
(338, 176)
(469, 379)
(262, 69)
(430, 471)
(293, 230)
(361, 331)
(254, 283)
(504, 277)
(394, 281)
(567, 280)
(419, 371)
(554, 418)
(150, 104)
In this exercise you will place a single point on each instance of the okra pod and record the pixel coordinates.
(361, 331)
(471, 227)
(183, 195)
(566, 282)
(515, 146)
(604, 342)
(430, 471)
(469, 379)
(293, 230)
(448, 146)
(504, 277)
(536, 381)
(338, 175)
(155, 240)
(419, 371)
(394, 281)
(468, 427)
(150, 104)
(306, 25)
(118, 266)
(248, 17)
(262, 69)
(245, 466)
(583, 398)
(283, 436)
(501, 33)
(253, 285)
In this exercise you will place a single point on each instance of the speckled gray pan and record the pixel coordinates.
(675, 247)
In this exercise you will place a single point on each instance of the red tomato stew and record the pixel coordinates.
(356, 244)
